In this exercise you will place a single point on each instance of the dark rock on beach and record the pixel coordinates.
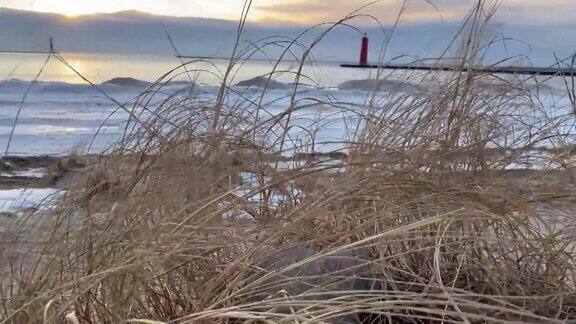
(41, 171)
(298, 269)
(16, 163)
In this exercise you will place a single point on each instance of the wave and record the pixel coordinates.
(12, 84)
(57, 130)
(378, 85)
(57, 86)
(61, 121)
(263, 82)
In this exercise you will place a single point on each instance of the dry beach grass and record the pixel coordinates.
(210, 211)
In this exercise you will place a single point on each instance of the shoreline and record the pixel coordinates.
(27, 181)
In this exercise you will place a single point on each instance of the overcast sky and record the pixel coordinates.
(530, 12)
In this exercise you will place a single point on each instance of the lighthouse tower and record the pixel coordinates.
(364, 51)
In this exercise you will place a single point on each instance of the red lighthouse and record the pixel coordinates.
(364, 51)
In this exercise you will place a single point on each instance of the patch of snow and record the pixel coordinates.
(13, 200)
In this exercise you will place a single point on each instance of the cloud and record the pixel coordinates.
(537, 12)
(313, 11)
(416, 11)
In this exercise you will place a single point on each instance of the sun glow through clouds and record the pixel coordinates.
(307, 11)
(224, 9)
(75, 7)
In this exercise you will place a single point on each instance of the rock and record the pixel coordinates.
(7, 166)
(345, 271)
(262, 82)
(128, 82)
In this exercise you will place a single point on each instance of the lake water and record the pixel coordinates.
(61, 112)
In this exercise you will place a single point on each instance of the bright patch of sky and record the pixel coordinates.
(225, 9)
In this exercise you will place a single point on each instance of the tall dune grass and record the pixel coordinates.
(210, 210)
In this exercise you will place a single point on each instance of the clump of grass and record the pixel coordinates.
(218, 211)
